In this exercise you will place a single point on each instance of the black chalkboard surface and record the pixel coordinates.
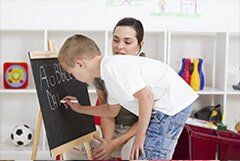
(52, 84)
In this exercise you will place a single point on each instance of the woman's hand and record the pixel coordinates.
(105, 148)
(71, 101)
(138, 147)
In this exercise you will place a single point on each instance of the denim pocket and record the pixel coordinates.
(156, 124)
(159, 117)
(177, 122)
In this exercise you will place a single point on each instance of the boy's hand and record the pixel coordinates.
(104, 150)
(69, 101)
(138, 147)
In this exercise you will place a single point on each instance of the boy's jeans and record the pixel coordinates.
(163, 133)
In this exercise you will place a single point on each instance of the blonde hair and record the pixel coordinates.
(77, 47)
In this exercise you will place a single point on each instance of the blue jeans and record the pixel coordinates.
(163, 133)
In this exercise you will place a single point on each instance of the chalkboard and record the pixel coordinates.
(52, 84)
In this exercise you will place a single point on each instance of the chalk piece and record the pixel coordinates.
(72, 101)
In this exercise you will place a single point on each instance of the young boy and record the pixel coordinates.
(148, 88)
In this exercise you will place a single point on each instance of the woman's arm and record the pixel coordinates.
(107, 123)
(108, 127)
(126, 136)
(108, 146)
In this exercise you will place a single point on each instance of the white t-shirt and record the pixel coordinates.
(125, 75)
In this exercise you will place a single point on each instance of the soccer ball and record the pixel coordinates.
(21, 135)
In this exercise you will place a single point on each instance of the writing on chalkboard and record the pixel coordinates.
(63, 126)
(58, 76)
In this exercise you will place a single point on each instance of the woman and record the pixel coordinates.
(118, 132)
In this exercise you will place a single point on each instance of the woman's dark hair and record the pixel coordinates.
(135, 24)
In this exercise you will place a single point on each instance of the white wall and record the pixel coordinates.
(213, 15)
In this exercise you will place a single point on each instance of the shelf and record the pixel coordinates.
(234, 34)
(210, 91)
(21, 30)
(76, 30)
(91, 90)
(9, 147)
(205, 91)
(18, 91)
(11, 152)
(232, 91)
(194, 33)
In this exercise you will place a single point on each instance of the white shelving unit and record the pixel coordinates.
(232, 108)
(220, 52)
(18, 106)
(221, 55)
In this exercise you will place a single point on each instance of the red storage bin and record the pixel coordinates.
(196, 143)
(182, 147)
(229, 145)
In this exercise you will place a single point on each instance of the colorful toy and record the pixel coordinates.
(15, 75)
(21, 135)
(192, 73)
(182, 68)
(201, 75)
(185, 70)
(195, 78)
(210, 113)
(186, 74)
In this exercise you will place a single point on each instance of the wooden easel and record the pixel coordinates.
(59, 150)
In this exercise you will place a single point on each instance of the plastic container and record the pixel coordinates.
(197, 143)
(229, 145)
